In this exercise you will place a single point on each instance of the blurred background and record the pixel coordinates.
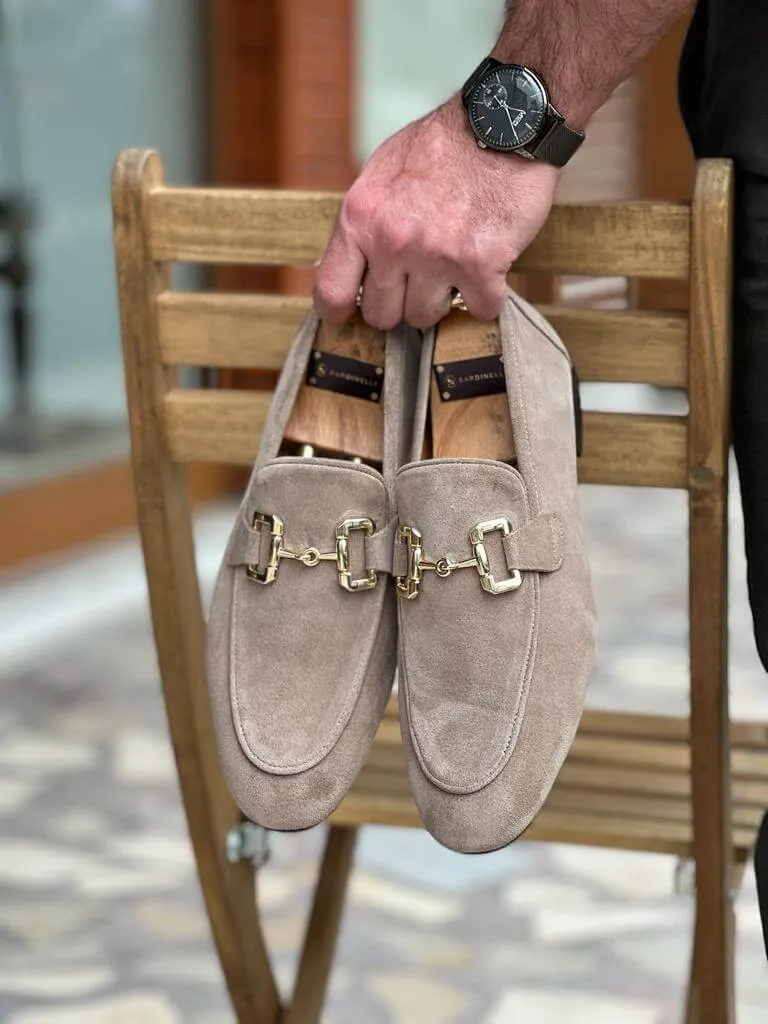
(100, 917)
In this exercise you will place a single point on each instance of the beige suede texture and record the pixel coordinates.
(492, 686)
(300, 670)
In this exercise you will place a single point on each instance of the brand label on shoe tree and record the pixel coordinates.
(345, 376)
(470, 427)
(337, 421)
(470, 378)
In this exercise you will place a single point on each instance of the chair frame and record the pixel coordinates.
(155, 225)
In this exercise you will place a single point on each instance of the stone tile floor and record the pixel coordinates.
(101, 921)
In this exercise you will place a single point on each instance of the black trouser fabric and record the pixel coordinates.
(724, 100)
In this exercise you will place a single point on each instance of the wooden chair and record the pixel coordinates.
(632, 781)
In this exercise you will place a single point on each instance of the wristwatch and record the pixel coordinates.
(509, 110)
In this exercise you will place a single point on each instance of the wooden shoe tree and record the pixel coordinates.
(472, 427)
(335, 423)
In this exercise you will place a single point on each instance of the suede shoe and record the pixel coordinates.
(497, 622)
(302, 635)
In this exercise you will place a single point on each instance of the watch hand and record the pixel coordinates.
(511, 122)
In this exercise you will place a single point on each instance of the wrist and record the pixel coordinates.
(571, 95)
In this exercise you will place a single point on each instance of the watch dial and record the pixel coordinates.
(507, 108)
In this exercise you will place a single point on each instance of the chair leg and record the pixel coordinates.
(693, 1014)
(322, 928)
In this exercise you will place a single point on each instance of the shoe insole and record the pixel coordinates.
(467, 361)
(338, 407)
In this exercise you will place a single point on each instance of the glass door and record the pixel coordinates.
(80, 80)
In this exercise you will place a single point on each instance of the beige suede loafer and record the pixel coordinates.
(497, 622)
(302, 637)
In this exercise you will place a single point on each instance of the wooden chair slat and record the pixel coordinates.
(661, 805)
(239, 331)
(380, 804)
(214, 426)
(617, 346)
(634, 239)
(255, 331)
(224, 426)
(634, 450)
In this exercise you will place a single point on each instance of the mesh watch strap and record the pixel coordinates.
(482, 69)
(558, 144)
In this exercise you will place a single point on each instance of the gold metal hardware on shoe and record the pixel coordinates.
(311, 556)
(477, 539)
(408, 586)
(346, 579)
(276, 527)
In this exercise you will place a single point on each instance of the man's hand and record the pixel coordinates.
(429, 213)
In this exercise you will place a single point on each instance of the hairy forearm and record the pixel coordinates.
(583, 49)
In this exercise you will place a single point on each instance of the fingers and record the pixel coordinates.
(484, 297)
(383, 295)
(337, 279)
(427, 300)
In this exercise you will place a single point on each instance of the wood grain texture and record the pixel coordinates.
(632, 450)
(166, 533)
(228, 330)
(709, 436)
(274, 227)
(323, 928)
(612, 791)
(341, 424)
(244, 331)
(469, 428)
(629, 346)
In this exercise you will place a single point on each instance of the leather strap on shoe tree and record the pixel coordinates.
(477, 427)
(336, 423)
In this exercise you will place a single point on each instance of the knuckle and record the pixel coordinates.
(357, 208)
(394, 237)
(435, 248)
(329, 294)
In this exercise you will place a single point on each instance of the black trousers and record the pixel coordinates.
(724, 101)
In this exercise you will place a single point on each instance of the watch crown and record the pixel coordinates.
(481, 144)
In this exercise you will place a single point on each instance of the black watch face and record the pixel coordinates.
(507, 108)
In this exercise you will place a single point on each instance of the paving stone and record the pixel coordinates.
(409, 998)
(39, 754)
(402, 901)
(142, 757)
(618, 872)
(556, 927)
(128, 1008)
(167, 919)
(575, 1007)
(190, 969)
(56, 983)
(31, 863)
(15, 793)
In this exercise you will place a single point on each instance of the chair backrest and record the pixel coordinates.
(636, 239)
(163, 329)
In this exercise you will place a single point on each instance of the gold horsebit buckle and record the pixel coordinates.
(408, 586)
(310, 557)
